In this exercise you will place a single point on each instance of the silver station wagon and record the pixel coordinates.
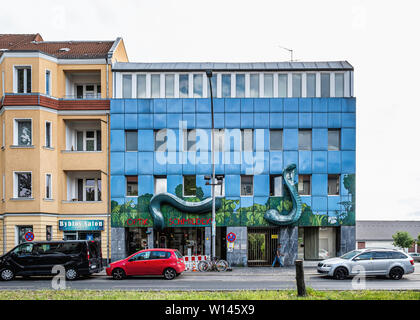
(370, 262)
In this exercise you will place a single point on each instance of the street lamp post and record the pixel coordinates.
(213, 177)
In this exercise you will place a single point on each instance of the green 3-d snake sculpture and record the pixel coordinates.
(272, 215)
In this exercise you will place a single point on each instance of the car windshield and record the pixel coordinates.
(350, 254)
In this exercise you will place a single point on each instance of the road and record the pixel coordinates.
(227, 281)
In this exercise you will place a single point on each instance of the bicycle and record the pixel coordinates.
(214, 264)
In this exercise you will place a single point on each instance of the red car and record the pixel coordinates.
(166, 262)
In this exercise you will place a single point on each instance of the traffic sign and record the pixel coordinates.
(231, 237)
(29, 236)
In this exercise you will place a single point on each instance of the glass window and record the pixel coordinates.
(198, 85)
(247, 187)
(90, 186)
(283, 85)
(23, 187)
(247, 138)
(141, 86)
(24, 80)
(213, 85)
(48, 134)
(89, 189)
(89, 140)
(226, 85)
(219, 189)
(131, 140)
(276, 186)
(305, 139)
(333, 185)
(160, 184)
(48, 233)
(240, 86)
(160, 255)
(380, 255)
(169, 86)
(296, 85)
(48, 186)
(189, 140)
(397, 255)
(24, 132)
(276, 139)
(325, 85)
(47, 82)
(268, 86)
(141, 256)
(311, 85)
(183, 85)
(219, 140)
(132, 186)
(189, 186)
(127, 86)
(155, 85)
(365, 256)
(161, 137)
(339, 85)
(254, 85)
(304, 185)
(333, 139)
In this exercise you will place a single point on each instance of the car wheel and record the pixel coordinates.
(71, 274)
(118, 274)
(340, 273)
(7, 274)
(169, 274)
(396, 273)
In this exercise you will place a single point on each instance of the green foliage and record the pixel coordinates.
(402, 239)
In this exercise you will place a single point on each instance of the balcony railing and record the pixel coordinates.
(95, 96)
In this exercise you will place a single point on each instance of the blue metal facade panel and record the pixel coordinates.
(289, 114)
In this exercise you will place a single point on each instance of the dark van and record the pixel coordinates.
(81, 257)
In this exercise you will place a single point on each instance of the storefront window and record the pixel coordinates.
(189, 241)
(317, 243)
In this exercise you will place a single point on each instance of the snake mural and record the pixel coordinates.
(185, 206)
(272, 215)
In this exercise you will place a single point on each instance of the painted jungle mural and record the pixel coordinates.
(232, 212)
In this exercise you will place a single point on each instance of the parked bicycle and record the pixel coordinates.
(214, 264)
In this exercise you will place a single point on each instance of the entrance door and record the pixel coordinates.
(311, 243)
(262, 243)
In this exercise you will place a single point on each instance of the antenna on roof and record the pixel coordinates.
(291, 52)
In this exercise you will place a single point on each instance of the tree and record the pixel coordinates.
(402, 239)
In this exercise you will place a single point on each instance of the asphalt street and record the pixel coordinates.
(269, 279)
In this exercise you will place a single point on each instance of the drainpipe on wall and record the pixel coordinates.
(108, 164)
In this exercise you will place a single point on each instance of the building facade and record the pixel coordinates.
(54, 119)
(285, 143)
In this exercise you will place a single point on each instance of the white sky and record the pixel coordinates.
(379, 38)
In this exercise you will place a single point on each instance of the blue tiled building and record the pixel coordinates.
(267, 116)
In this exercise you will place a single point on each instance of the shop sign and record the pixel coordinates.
(137, 222)
(81, 225)
(189, 222)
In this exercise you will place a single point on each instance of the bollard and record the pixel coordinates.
(300, 278)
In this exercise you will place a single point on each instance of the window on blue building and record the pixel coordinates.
(305, 139)
(132, 186)
(282, 84)
(304, 185)
(127, 86)
(155, 85)
(141, 86)
(190, 188)
(160, 184)
(198, 85)
(247, 185)
(226, 86)
(268, 86)
(183, 85)
(247, 139)
(169, 85)
(276, 186)
(296, 85)
(339, 85)
(131, 140)
(334, 139)
(276, 139)
(189, 139)
(161, 140)
(213, 86)
(254, 85)
(311, 85)
(325, 85)
(333, 185)
(240, 86)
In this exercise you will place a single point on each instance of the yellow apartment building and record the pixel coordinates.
(54, 137)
